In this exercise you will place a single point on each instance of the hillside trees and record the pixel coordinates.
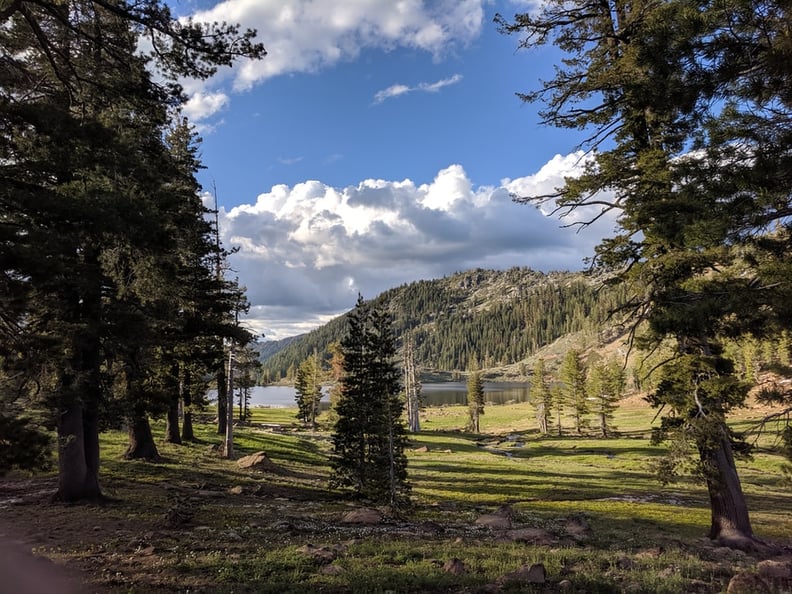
(687, 110)
(369, 436)
(89, 219)
(455, 318)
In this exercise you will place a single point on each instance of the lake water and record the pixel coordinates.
(439, 394)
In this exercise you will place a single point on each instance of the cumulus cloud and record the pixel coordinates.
(203, 105)
(305, 251)
(398, 89)
(304, 36)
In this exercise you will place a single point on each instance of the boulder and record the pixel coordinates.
(494, 521)
(257, 461)
(747, 583)
(577, 527)
(500, 519)
(775, 570)
(319, 554)
(454, 566)
(364, 515)
(529, 574)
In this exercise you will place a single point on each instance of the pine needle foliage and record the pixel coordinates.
(369, 438)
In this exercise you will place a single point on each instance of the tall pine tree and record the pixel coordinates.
(369, 435)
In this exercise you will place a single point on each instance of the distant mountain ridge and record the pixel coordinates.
(497, 317)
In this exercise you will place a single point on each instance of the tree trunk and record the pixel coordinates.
(172, 424)
(141, 441)
(228, 445)
(187, 425)
(78, 422)
(78, 456)
(222, 400)
(731, 525)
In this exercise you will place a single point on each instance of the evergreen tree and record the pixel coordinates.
(540, 397)
(689, 108)
(475, 396)
(605, 387)
(308, 390)
(88, 217)
(573, 377)
(369, 436)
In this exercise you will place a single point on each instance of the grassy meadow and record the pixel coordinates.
(196, 522)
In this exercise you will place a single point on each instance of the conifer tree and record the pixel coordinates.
(475, 396)
(369, 435)
(308, 390)
(89, 218)
(540, 397)
(573, 377)
(686, 109)
(605, 387)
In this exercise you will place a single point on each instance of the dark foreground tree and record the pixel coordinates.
(687, 111)
(87, 229)
(369, 435)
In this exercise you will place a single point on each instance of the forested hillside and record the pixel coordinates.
(496, 317)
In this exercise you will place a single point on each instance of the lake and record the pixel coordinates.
(439, 394)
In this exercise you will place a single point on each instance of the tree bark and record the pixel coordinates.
(731, 524)
(172, 424)
(78, 468)
(222, 400)
(141, 441)
(187, 425)
(228, 444)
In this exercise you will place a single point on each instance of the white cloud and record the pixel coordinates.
(203, 105)
(305, 251)
(304, 36)
(399, 89)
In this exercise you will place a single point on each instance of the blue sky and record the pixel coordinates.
(375, 145)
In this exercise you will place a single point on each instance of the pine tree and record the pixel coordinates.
(475, 396)
(540, 397)
(573, 377)
(686, 109)
(88, 214)
(308, 390)
(369, 435)
(605, 387)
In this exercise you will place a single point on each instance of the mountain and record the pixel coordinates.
(268, 348)
(500, 318)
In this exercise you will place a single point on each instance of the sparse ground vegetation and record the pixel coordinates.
(588, 509)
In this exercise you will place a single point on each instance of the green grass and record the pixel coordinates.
(252, 543)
